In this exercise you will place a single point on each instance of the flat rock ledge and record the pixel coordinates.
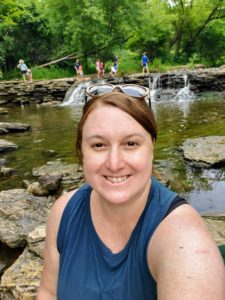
(7, 146)
(20, 213)
(205, 151)
(6, 127)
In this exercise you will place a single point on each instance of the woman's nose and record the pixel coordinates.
(115, 160)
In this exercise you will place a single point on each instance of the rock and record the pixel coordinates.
(38, 91)
(49, 152)
(8, 256)
(205, 151)
(20, 213)
(68, 175)
(55, 168)
(36, 189)
(3, 161)
(25, 183)
(216, 226)
(22, 279)
(6, 172)
(36, 240)
(3, 111)
(13, 127)
(49, 182)
(7, 146)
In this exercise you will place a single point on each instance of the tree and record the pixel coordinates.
(9, 13)
(91, 28)
(191, 19)
(24, 32)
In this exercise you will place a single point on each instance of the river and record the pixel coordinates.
(53, 128)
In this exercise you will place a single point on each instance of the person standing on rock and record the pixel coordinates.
(23, 69)
(124, 235)
(145, 62)
(78, 67)
(97, 66)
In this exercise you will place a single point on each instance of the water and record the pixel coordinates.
(185, 93)
(76, 94)
(154, 86)
(53, 128)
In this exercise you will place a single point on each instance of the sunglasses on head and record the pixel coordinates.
(132, 90)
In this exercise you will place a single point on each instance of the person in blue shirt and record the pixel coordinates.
(145, 62)
(123, 235)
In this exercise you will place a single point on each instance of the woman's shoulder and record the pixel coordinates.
(63, 201)
(183, 251)
(60, 204)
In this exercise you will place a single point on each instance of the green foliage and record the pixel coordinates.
(91, 28)
(23, 34)
(39, 31)
(129, 62)
(193, 60)
(52, 72)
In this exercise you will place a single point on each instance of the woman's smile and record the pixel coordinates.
(117, 180)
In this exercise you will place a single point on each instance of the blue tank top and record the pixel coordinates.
(89, 270)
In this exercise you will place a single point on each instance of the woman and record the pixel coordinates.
(124, 235)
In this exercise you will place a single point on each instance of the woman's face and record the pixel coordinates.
(117, 155)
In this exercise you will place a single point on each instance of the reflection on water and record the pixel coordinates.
(53, 128)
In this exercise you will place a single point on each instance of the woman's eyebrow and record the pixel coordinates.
(97, 136)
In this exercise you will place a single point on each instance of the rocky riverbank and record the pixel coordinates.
(53, 91)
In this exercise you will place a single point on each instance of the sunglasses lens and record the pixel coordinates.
(134, 91)
(99, 89)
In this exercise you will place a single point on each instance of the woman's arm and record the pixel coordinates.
(184, 259)
(48, 284)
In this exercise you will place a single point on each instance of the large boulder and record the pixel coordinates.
(6, 127)
(205, 151)
(20, 213)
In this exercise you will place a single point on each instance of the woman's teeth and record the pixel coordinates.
(117, 179)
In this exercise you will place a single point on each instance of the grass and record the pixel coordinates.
(52, 72)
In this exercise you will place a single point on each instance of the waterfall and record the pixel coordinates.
(154, 86)
(185, 93)
(76, 94)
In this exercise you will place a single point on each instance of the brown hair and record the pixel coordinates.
(137, 109)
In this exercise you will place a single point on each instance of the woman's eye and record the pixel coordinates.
(97, 145)
(131, 144)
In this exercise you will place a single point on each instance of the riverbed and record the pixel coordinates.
(54, 128)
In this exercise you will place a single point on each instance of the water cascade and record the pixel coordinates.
(185, 93)
(154, 86)
(76, 94)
